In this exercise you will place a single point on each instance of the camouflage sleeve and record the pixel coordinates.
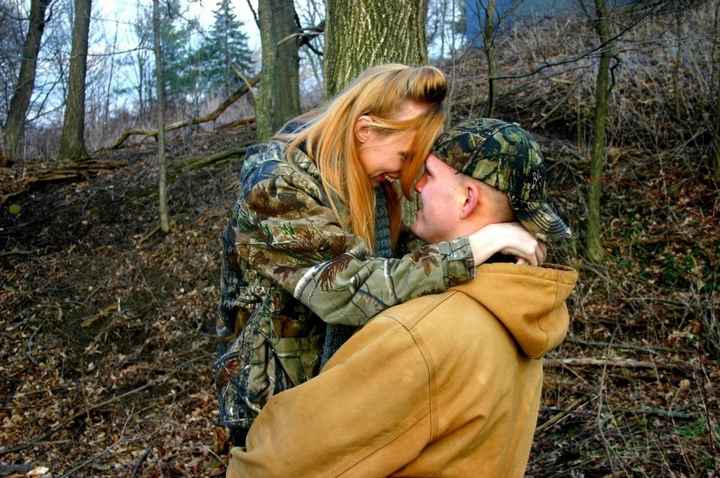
(292, 238)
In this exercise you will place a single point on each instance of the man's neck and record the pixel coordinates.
(468, 226)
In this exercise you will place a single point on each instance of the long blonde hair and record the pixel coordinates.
(329, 137)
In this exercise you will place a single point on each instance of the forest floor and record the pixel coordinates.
(107, 344)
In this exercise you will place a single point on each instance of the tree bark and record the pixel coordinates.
(279, 98)
(489, 50)
(72, 141)
(15, 126)
(160, 85)
(366, 33)
(716, 87)
(597, 161)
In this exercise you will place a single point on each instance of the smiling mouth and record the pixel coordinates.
(386, 177)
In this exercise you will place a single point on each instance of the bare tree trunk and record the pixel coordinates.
(365, 33)
(226, 48)
(489, 49)
(716, 87)
(597, 162)
(164, 221)
(15, 126)
(106, 111)
(279, 98)
(72, 141)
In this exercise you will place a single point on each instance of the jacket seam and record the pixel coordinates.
(541, 323)
(395, 438)
(429, 412)
(429, 365)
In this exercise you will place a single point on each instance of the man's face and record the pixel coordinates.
(442, 198)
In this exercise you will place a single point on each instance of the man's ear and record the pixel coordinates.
(472, 199)
(362, 128)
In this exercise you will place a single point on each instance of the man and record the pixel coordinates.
(447, 384)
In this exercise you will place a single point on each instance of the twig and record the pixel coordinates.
(15, 252)
(12, 469)
(30, 340)
(138, 466)
(555, 419)
(149, 234)
(239, 73)
(657, 412)
(212, 116)
(594, 343)
(254, 14)
(711, 424)
(623, 363)
(214, 454)
(88, 461)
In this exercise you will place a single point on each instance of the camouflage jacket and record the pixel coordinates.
(287, 263)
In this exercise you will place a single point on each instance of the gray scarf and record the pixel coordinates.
(336, 335)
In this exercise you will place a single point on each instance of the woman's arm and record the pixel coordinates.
(283, 228)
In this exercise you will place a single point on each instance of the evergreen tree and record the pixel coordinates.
(226, 44)
(175, 35)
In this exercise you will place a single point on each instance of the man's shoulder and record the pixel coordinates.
(433, 308)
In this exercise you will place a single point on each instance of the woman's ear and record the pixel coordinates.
(362, 129)
(472, 199)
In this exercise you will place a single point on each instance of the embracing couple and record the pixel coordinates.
(398, 351)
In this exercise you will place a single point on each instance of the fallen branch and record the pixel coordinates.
(621, 363)
(88, 461)
(642, 348)
(212, 116)
(631, 411)
(16, 252)
(6, 470)
(198, 162)
(67, 172)
(139, 464)
(555, 419)
(237, 123)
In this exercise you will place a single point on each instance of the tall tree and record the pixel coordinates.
(716, 88)
(11, 45)
(365, 33)
(72, 140)
(227, 44)
(175, 35)
(601, 23)
(279, 98)
(160, 84)
(489, 50)
(15, 126)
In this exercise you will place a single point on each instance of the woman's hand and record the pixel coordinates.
(507, 238)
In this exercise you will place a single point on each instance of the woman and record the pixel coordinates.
(312, 233)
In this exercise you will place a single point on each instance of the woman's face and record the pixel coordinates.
(384, 155)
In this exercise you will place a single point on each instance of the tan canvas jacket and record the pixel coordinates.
(443, 385)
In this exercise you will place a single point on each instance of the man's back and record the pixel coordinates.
(442, 385)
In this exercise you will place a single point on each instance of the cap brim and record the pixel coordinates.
(541, 218)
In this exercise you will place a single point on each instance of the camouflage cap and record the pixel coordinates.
(506, 157)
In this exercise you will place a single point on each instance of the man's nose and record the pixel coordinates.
(420, 184)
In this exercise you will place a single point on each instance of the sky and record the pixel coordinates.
(124, 11)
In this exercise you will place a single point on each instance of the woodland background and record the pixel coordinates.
(110, 224)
